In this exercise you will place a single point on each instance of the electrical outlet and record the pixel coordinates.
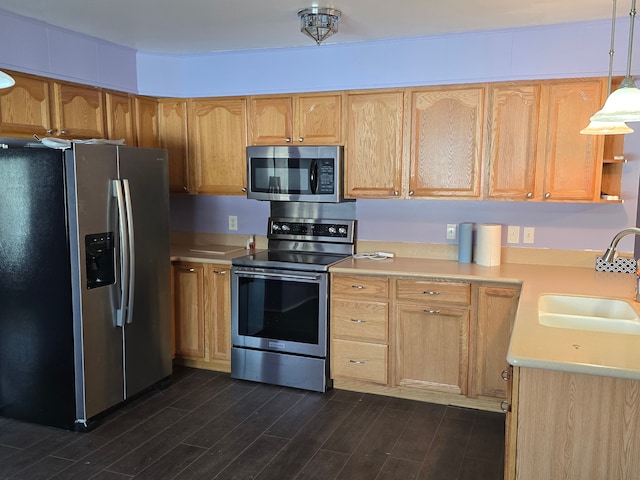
(451, 231)
(528, 235)
(513, 234)
(233, 222)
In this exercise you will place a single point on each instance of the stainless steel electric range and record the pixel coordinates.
(280, 296)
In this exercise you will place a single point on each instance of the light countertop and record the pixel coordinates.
(206, 253)
(532, 344)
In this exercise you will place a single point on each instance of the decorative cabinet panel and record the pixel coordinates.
(446, 142)
(218, 139)
(79, 111)
(312, 119)
(189, 310)
(120, 119)
(172, 121)
(146, 122)
(512, 148)
(25, 108)
(373, 153)
(490, 335)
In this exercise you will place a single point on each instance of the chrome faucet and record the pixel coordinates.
(611, 251)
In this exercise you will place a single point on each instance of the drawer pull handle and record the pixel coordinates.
(504, 406)
(506, 376)
(357, 320)
(360, 287)
(220, 272)
(431, 292)
(432, 311)
(357, 362)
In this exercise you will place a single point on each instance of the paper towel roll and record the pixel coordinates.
(465, 244)
(488, 244)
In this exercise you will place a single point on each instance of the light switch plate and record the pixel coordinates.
(233, 222)
(528, 235)
(451, 231)
(513, 234)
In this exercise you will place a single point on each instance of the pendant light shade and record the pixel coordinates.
(623, 105)
(6, 81)
(606, 128)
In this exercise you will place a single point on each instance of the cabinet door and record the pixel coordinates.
(490, 335)
(189, 310)
(572, 161)
(218, 139)
(271, 120)
(79, 111)
(172, 116)
(373, 164)
(513, 131)
(119, 108)
(446, 142)
(217, 309)
(432, 348)
(146, 122)
(319, 119)
(25, 107)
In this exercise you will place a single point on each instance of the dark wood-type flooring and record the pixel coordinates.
(206, 425)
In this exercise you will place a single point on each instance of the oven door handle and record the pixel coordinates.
(278, 275)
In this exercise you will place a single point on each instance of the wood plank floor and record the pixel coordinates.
(206, 425)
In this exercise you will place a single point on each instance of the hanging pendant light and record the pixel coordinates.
(608, 128)
(623, 105)
(6, 80)
(319, 23)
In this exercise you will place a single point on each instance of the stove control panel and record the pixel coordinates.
(334, 230)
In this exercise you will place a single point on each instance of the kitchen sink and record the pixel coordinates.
(588, 313)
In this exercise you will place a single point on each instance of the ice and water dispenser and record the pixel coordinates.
(99, 248)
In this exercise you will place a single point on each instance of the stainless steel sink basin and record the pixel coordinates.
(588, 313)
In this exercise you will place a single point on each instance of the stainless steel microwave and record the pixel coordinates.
(298, 174)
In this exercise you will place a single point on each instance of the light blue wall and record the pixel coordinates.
(572, 50)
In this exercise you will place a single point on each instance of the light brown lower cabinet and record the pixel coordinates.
(573, 426)
(202, 313)
(425, 338)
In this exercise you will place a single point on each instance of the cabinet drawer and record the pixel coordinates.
(362, 321)
(359, 361)
(360, 286)
(431, 291)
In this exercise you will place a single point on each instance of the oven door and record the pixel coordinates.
(279, 310)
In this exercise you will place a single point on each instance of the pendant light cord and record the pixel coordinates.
(632, 19)
(611, 49)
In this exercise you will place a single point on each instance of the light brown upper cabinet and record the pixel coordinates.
(513, 132)
(25, 107)
(446, 141)
(311, 119)
(536, 151)
(373, 151)
(119, 108)
(146, 122)
(172, 121)
(79, 111)
(218, 139)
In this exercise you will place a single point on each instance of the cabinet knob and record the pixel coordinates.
(49, 131)
(410, 192)
(301, 139)
(192, 269)
(244, 189)
(185, 189)
(433, 312)
(63, 132)
(357, 362)
(357, 320)
(288, 140)
(504, 406)
(220, 272)
(547, 195)
(506, 375)
(529, 194)
(395, 193)
(359, 287)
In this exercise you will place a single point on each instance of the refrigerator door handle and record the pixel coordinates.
(132, 251)
(124, 254)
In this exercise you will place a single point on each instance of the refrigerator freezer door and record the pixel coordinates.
(36, 324)
(148, 330)
(93, 218)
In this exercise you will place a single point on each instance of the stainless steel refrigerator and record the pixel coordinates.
(84, 280)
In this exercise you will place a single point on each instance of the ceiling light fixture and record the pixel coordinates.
(319, 23)
(623, 105)
(6, 80)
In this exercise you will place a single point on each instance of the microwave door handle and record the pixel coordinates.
(313, 176)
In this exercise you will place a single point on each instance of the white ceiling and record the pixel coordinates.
(197, 26)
